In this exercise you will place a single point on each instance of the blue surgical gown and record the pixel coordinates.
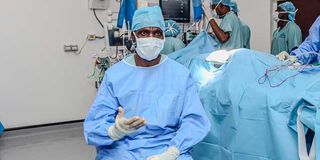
(165, 95)
(171, 45)
(231, 23)
(308, 52)
(246, 33)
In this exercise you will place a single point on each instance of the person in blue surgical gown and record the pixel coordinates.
(147, 107)
(229, 31)
(246, 31)
(287, 36)
(309, 51)
(172, 43)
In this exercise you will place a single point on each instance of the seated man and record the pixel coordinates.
(308, 52)
(147, 107)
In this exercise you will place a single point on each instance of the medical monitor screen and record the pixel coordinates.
(177, 10)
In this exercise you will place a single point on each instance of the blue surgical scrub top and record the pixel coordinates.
(309, 51)
(231, 23)
(286, 39)
(164, 94)
(171, 45)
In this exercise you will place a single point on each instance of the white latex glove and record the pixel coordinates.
(172, 153)
(293, 59)
(282, 56)
(206, 6)
(295, 65)
(123, 126)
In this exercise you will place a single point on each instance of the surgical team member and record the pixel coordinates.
(147, 107)
(246, 32)
(172, 43)
(309, 51)
(287, 36)
(229, 32)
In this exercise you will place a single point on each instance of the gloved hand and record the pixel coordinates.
(296, 64)
(123, 126)
(206, 6)
(282, 56)
(172, 153)
(293, 59)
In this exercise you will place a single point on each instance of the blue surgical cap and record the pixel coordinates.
(225, 2)
(172, 28)
(289, 7)
(148, 17)
(234, 6)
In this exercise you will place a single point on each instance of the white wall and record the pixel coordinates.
(40, 83)
(257, 14)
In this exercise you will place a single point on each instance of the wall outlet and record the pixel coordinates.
(99, 4)
(70, 48)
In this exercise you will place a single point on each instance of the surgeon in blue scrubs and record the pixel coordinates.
(287, 36)
(172, 43)
(147, 107)
(309, 51)
(246, 31)
(229, 31)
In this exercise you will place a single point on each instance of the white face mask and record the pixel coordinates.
(214, 11)
(276, 18)
(149, 48)
(215, 14)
